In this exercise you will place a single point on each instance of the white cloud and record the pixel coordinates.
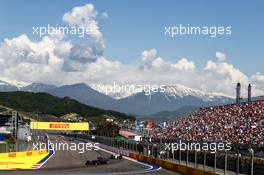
(53, 58)
(29, 61)
(149, 54)
(85, 16)
(185, 64)
(44, 61)
(222, 77)
(258, 78)
(150, 60)
(105, 15)
(220, 56)
(228, 70)
(58, 61)
(258, 83)
(158, 62)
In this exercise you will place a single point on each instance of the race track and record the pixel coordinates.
(72, 162)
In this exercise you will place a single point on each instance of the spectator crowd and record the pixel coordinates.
(236, 123)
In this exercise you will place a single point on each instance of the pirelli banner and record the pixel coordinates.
(62, 126)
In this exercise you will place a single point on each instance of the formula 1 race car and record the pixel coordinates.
(116, 156)
(98, 161)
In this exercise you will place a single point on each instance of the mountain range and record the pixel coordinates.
(168, 99)
(47, 105)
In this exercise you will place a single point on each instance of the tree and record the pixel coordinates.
(108, 129)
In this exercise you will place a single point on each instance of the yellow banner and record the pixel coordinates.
(62, 126)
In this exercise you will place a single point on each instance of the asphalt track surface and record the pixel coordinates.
(66, 162)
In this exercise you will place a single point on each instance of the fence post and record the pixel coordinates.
(187, 156)
(195, 158)
(238, 156)
(252, 161)
(173, 155)
(123, 144)
(225, 162)
(180, 156)
(118, 146)
(204, 164)
(215, 161)
(160, 151)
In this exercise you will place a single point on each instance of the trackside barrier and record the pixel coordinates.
(122, 149)
(171, 165)
(115, 150)
(22, 160)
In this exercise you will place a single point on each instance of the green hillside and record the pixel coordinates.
(44, 103)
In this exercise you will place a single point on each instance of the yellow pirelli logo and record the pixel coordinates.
(63, 126)
(66, 126)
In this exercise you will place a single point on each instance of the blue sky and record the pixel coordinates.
(139, 25)
(133, 27)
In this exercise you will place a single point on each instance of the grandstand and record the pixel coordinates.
(5, 119)
(241, 123)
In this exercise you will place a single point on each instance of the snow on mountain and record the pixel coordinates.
(132, 99)
(38, 87)
(11, 82)
(143, 101)
(118, 91)
(170, 100)
(6, 87)
(183, 91)
(3, 83)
